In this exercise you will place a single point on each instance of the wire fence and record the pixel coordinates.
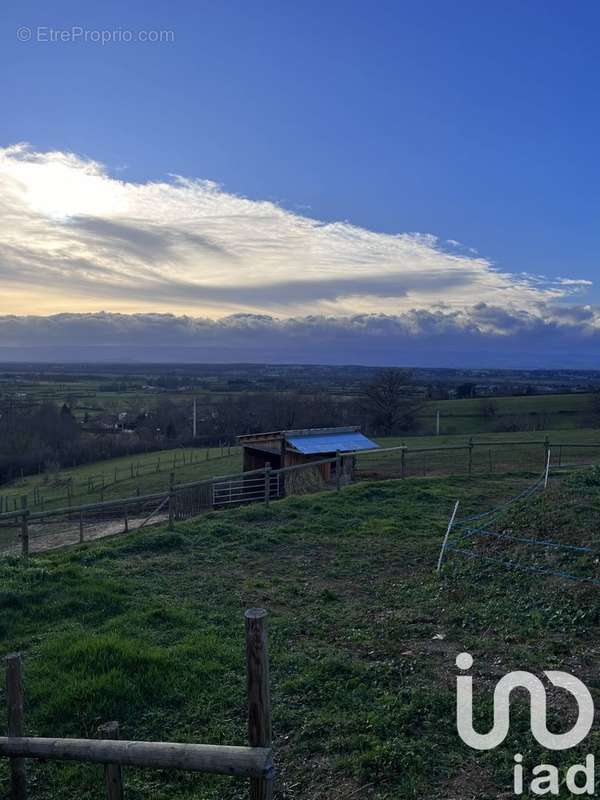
(27, 529)
(62, 489)
(496, 537)
(474, 457)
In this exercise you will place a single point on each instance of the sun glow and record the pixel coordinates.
(60, 192)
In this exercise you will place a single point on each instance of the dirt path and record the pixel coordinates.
(45, 537)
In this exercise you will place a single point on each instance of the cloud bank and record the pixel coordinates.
(93, 267)
(483, 335)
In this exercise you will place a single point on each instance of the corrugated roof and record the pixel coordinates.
(330, 442)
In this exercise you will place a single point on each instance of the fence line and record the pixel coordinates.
(77, 523)
(522, 567)
(101, 482)
(144, 468)
(254, 761)
(491, 516)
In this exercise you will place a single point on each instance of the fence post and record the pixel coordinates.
(126, 514)
(338, 470)
(445, 541)
(171, 501)
(546, 449)
(267, 483)
(81, 537)
(470, 455)
(112, 772)
(258, 691)
(24, 527)
(16, 726)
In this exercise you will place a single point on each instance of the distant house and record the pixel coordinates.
(291, 448)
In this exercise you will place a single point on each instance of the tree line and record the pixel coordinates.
(47, 437)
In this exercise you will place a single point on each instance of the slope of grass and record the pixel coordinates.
(121, 477)
(148, 629)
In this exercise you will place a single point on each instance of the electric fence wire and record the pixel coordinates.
(525, 540)
(518, 565)
(497, 510)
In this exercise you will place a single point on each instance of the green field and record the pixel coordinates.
(526, 413)
(150, 472)
(147, 629)
(120, 477)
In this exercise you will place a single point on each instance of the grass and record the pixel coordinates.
(86, 481)
(147, 629)
(555, 411)
(148, 472)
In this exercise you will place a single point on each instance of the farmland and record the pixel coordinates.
(150, 472)
(146, 629)
(121, 477)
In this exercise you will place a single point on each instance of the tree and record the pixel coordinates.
(389, 406)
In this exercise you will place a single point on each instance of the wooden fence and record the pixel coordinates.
(41, 498)
(31, 530)
(254, 761)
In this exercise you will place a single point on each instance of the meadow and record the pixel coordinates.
(147, 629)
(150, 472)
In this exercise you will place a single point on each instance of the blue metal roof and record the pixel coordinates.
(330, 442)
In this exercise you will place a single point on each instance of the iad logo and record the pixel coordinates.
(546, 778)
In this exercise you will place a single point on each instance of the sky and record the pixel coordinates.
(391, 182)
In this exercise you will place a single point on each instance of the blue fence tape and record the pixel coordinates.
(524, 540)
(523, 567)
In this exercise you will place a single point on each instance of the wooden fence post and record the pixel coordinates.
(267, 483)
(171, 502)
(470, 455)
(112, 772)
(338, 471)
(259, 698)
(126, 514)
(16, 727)
(24, 527)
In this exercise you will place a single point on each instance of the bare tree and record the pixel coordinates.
(389, 405)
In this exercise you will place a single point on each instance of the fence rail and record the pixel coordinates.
(99, 484)
(254, 761)
(32, 530)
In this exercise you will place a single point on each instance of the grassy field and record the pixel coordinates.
(147, 629)
(121, 477)
(534, 412)
(93, 482)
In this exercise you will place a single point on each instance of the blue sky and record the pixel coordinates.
(469, 121)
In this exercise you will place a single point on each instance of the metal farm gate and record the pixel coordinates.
(191, 501)
(247, 490)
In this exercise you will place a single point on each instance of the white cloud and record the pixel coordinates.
(74, 238)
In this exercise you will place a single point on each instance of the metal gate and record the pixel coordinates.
(246, 490)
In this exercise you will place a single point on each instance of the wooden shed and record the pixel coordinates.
(290, 448)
